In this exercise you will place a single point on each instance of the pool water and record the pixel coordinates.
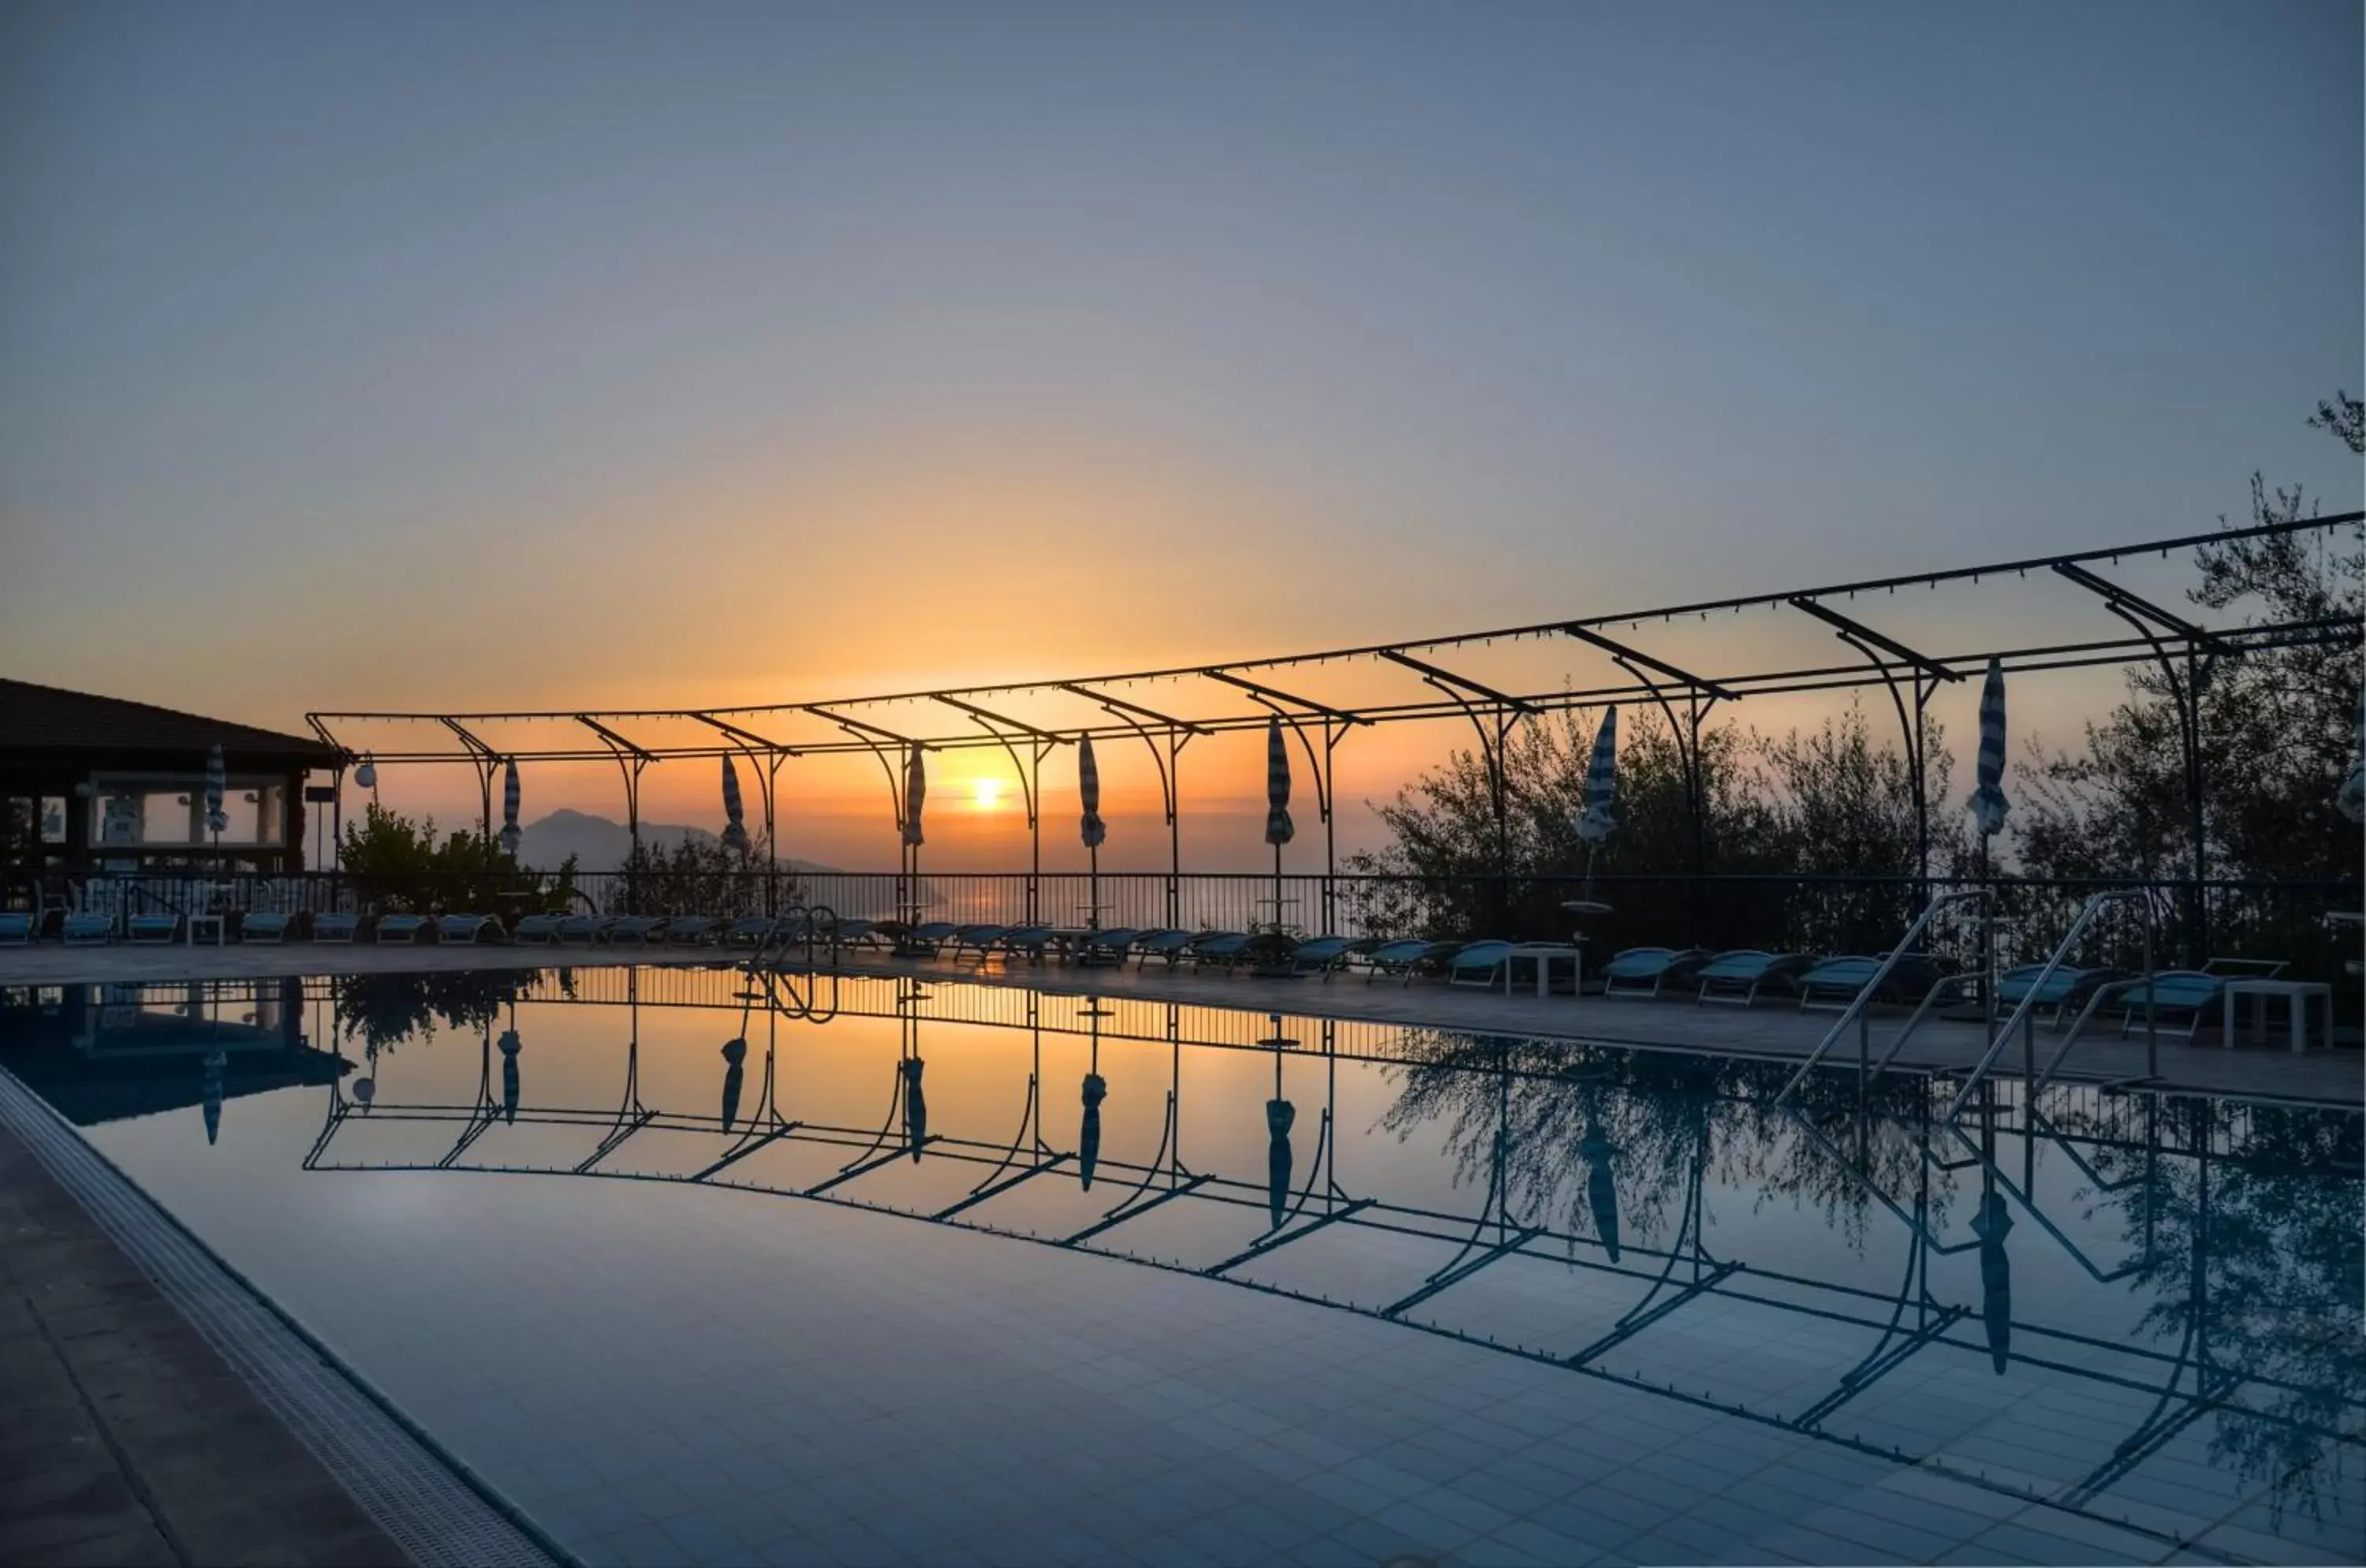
(870, 1270)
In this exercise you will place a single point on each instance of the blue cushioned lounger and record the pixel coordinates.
(537, 928)
(1480, 965)
(1407, 957)
(400, 927)
(265, 925)
(17, 927)
(927, 939)
(1167, 945)
(1319, 955)
(1028, 940)
(691, 931)
(1648, 971)
(979, 940)
(637, 928)
(82, 929)
(1735, 977)
(1832, 985)
(467, 927)
(1108, 946)
(1226, 948)
(336, 927)
(584, 928)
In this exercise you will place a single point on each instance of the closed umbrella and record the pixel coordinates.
(915, 790)
(2352, 799)
(509, 797)
(217, 780)
(735, 824)
(1597, 821)
(1987, 803)
(1089, 794)
(1278, 829)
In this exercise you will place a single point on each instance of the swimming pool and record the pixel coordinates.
(882, 1269)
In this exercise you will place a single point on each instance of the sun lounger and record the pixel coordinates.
(1105, 947)
(336, 927)
(979, 940)
(691, 931)
(401, 928)
(584, 927)
(2180, 1000)
(1832, 985)
(83, 928)
(1735, 977)
(855, 931)
(1407, 957)
(467, 927)
(637, 929)
(1319, 955)
(1225, 948)
(17, 927)
(925, 940)
(1166, 945)
(266, 925)
(750, 931)
(2064, 991)
(1028, 940)
(538, 929)
(1648, 971)
(1480, 965)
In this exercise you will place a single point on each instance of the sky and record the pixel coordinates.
(533, 356)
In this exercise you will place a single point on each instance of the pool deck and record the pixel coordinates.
(1774, 1029)
(125, 1440)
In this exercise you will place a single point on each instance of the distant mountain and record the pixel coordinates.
(599, 844)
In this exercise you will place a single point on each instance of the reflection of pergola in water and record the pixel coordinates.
(1166, 709)
(2196, 1381)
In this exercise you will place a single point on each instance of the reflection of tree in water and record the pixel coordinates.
(2257, 1265)
(385, 1010)
(1571, 1114)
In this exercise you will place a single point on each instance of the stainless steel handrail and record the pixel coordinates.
(2094, 906)
(1855, 1009)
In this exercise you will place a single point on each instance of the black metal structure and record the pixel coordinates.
(1239, 694)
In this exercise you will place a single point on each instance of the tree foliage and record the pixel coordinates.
(396, 863)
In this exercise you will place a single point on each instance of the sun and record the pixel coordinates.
(987, 792)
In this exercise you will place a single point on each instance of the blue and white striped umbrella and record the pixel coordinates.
(2352, 799)
(1088, 791)
(916, 790)
(509, 797)
(217, 780)
(509, 1046)
(1278, 829)
(1987, 803)
(735, 827)
(1593, 825)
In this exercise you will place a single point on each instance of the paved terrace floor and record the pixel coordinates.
(1774, 1029)
(126, 1441)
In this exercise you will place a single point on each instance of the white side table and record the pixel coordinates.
(1544, 955)
(2296, 995)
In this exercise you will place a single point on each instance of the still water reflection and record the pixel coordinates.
(2115, 1301)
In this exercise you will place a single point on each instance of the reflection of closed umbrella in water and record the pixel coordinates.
(215, 1063)
(1991, 1225)
(735, 1054)
(1089, 1137)
(1601, 1191)
(510, 1045)
(1279, 1115)
(916, 1106)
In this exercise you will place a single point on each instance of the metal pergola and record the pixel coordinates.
(1244, 695)
(2204, 1376)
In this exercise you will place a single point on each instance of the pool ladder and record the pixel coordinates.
(2022, 1017)
(1856, 1011)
